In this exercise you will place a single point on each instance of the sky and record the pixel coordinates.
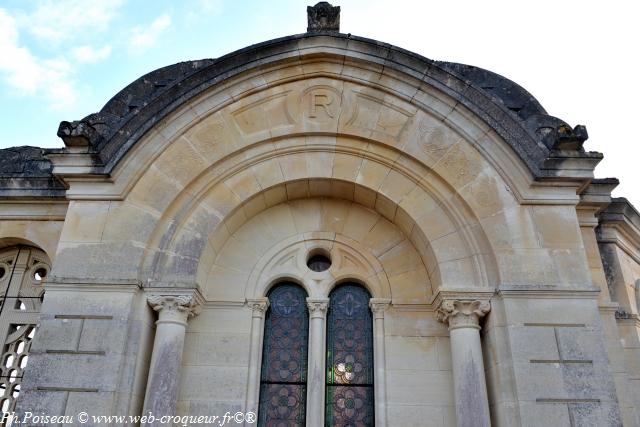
(64, 59)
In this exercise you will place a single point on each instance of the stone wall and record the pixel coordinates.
(441, 196)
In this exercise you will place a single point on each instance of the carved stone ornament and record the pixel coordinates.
(378, 306)
(317, 307)
(462, 314)
(323, 17)
(258, 306)
(176, 308)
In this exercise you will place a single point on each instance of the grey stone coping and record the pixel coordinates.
(26, 172)
(505, 106)
(621, 210)
(508, 108)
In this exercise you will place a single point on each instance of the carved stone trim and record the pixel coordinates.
(174, 308)
(258, 306)
(317, 307)
(462, 313)
(378, 307)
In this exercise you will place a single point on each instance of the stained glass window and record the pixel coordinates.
(283, 385)
(349, 385)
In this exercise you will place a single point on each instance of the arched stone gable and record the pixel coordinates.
(509, 109)
(214, 156)
(445, 190)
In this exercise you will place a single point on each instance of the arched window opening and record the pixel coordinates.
(283, 381)
(349, 396)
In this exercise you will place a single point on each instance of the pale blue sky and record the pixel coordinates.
(64, 59)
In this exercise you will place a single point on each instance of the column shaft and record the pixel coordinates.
(258, 307)
(470, 387)
(166, 359)
(316, 367)
(378, 307)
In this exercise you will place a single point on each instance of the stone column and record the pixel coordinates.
(258, 309)
(470, 387)
(316, 369)
(378, 307)
(166, 360)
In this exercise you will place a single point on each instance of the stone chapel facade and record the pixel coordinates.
(320, 229)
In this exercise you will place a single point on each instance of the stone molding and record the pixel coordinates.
(341, 248)
(379, 306)
(317, 307)
(459, 313)
(550, 292)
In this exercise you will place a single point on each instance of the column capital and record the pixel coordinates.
(317, 307)
(258, 306)
(379, 306)
(460, 313)
(176, 308)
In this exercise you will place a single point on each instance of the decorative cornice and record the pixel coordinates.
(317, 307)
(462, 313)
(463, 294)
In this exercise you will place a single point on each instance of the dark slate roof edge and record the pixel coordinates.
(506, 107)
(24, 161)
(25, 172)
(464, 83)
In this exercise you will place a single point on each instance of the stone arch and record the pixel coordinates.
(235, 172)
(287, 258)
(375, 175)
(424, 127)
(222, 210)
(42, 237)
(403, 114)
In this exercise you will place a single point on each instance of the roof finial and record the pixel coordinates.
(323, 17)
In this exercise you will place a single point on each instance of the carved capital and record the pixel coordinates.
(174, 308)
(462, 313)
(378, 307)
(258, 306)
(317, 307)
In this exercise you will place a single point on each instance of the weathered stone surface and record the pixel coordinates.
(323, 17)
(26, 172)
(444, 189)
(132, 112)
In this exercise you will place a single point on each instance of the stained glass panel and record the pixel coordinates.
(283, 388)
(282, 405)
(349, 392)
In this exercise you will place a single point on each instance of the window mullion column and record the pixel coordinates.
(316, 368)
(378, 307)
(258, 308)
